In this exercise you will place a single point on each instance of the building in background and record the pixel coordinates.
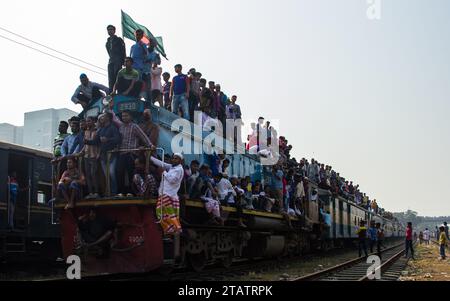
(41, 127)
(11, 133)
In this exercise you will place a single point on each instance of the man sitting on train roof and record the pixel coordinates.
(69, 185)
(74, 142)
(168, 204)
(88, 91)
(127, 82)
(227, 193)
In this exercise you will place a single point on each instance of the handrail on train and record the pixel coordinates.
(56, 164)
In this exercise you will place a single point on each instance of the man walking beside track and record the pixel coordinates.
(426, 236)
(409, 241)
(372, 235)
(362, 236)
(442, 242)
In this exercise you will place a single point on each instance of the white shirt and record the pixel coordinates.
(171, 178)
(224, 187)
(156, 78)
(300, 190)
(426, 235)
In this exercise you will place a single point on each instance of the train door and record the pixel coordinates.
(19, 204)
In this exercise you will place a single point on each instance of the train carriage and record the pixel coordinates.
(33, 234)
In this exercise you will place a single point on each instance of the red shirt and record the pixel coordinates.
(408, 233)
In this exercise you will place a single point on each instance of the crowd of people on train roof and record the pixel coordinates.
(129, 174)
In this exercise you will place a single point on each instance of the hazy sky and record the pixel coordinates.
(370, 98)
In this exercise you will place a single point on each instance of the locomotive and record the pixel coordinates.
(140, 245)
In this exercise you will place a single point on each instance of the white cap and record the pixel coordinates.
(179, 155)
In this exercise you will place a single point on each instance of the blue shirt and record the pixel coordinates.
(179, 84)
(372, 233)
(13, 187)
(72, 144)
(139, 54)
(111, 132)
(151, 58)
(277, 183)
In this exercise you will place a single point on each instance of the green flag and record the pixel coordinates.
(129, 26)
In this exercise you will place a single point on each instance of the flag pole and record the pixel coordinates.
(121, 23)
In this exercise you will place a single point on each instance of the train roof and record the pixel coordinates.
(33, 151)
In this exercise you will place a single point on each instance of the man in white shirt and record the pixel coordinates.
(227, 194)
(426, 236)
(168, 205)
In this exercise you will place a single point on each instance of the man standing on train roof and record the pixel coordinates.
(168, 204)
(74, 142)
(88, 91)
(59, 139)
(362, 236)
(150, 69)
(128, 83)
(139, 53)
(117, 53)
(179, 92)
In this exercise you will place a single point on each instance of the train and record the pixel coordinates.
(140, 246)
(35, 236)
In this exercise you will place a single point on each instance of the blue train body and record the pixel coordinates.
(193, 139)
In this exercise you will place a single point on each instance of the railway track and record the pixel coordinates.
(392, 264)
(218, 273)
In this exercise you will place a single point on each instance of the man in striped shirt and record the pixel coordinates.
(131, 135)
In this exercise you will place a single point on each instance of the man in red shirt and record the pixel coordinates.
(409, 241)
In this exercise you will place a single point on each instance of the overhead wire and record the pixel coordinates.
(50, 48)
(53, 56)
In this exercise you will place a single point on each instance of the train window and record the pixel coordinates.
(44, 192)
(355, 221)
(41, 197)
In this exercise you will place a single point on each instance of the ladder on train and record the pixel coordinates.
(13, 244)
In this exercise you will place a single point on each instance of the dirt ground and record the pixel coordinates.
(427, 266)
